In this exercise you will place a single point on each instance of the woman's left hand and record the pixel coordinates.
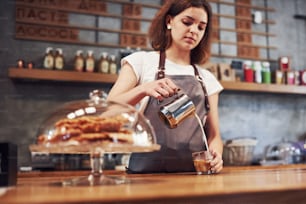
(217, 162)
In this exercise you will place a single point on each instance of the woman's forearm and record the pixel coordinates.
(126, 91)
(131, 97)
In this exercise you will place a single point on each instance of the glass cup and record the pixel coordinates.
(201, 161)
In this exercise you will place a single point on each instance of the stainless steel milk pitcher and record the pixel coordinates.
(177, 110)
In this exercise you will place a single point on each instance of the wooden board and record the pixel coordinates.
(252, 185)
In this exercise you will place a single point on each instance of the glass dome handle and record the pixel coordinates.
(97, 95)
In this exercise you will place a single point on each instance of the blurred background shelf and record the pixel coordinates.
(61, 75)
(74, 76)
(267, 88)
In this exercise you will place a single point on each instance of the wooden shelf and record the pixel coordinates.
(246, 31)
(243, 44)
(54, 75)
(242, 5)
(242, 57)
(74, 76)
(267, 88)
(265, 21)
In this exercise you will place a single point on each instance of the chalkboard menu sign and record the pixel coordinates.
(120, 24)
(51, 21)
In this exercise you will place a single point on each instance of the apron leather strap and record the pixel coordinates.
(199, 78)
(161, 67)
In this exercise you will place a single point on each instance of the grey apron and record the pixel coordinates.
(176, 144)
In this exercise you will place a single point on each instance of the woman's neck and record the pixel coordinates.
(179, 57)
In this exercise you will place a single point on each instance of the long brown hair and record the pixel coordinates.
(160, 37)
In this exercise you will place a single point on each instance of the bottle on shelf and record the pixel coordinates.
(59, 59)
(297, 80)
(266, 73)
(112, 65)
(257, 70)
(90, 62)
(104, 63)
(279, 77)
(30, 65)
(248, 71)
(289, 77)
(79, 61)
(20, 63)
(49, 58)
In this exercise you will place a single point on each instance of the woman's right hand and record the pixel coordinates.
(127, 90)
(160, 89)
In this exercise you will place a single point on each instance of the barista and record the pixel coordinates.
(180, 35)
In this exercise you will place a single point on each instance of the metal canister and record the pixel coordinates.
(177, 110)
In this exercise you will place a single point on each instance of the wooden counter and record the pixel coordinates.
(282, 184)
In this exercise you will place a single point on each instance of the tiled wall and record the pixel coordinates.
(269, 117)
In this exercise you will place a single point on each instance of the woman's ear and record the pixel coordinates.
(168, 22)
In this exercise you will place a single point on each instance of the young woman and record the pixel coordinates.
(180, 36)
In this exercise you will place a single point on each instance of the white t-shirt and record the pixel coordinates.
(145, 65)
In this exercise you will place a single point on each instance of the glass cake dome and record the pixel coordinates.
(95, 126)
(87, 125)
